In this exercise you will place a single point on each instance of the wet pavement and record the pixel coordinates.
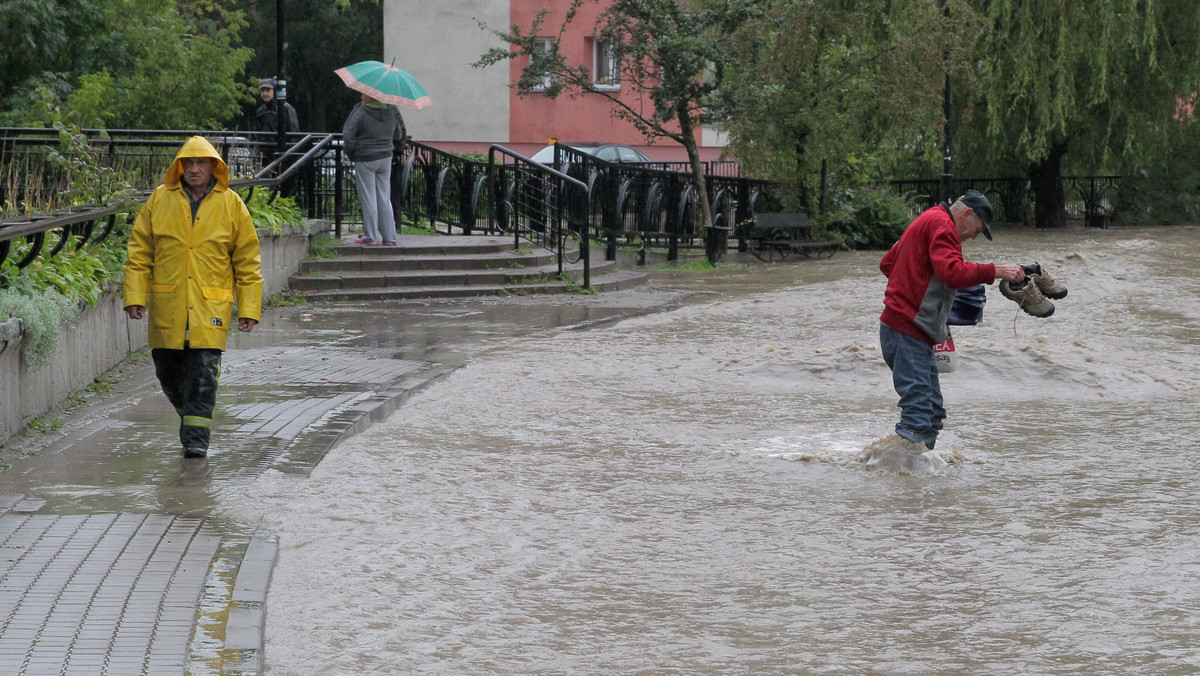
(115, 556)
(108, 538)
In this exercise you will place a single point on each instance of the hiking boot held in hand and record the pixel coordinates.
(1045, 282)
(1028, 296)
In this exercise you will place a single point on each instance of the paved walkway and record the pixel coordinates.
(112, 557)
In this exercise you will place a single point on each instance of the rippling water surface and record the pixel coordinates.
(677, 492)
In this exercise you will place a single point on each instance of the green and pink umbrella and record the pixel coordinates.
(385, 83)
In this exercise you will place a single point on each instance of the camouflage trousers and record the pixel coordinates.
(189, 379)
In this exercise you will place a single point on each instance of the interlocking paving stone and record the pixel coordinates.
(98, 591)
(114, 593)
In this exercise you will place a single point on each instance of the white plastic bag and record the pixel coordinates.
(945, 356)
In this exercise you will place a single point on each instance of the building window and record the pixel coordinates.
(544, 45)
(605, 71)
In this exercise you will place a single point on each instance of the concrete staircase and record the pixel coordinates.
(445, 266)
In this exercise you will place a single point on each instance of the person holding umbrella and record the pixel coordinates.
(373, 133)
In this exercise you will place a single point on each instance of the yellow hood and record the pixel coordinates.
(197, 146)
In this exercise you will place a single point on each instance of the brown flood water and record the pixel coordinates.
(676, 493)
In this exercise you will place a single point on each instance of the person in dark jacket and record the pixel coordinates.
(923, 269)
(266, 119)
(265, 116)
(370, 137)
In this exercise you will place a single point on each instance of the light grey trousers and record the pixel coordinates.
(373, 180)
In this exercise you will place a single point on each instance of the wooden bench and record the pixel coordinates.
(776, 235)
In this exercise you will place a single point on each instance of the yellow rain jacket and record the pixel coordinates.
(187, 272)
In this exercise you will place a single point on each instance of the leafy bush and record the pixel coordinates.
(870, 218)
(272, 214)
(48, 294)
(45, 316)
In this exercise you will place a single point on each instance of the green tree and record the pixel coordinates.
(672, 53)
(37, 37)
(1085, 85)
(153, 64)
(856, 85)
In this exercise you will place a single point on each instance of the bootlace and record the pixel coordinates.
(1031, 293)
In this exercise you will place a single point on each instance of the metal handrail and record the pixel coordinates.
(546, 198)
(267, 175)
(80, 221)
(1010, 196)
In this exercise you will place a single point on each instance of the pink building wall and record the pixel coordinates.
(535, 119)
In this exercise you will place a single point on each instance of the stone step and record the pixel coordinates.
(402, 262)
(357, 279)
(430, 266)
(432, 245)
(611, 281)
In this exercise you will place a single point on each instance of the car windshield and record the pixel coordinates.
(608, 153)
(545, 155)
(630, 155)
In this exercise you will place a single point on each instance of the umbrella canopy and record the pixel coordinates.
(385, 83)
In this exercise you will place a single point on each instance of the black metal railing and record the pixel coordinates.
(1088, 197)
(655, 205)
(441, 188)
(650, 205)
(642, 206)
(539, 204)
(309, 168)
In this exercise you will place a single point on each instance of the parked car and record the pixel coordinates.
(237, 155)
(609, 152)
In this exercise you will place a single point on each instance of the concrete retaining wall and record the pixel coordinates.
(103, 337)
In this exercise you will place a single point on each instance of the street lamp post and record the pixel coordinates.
(947, 183)
(281, 79)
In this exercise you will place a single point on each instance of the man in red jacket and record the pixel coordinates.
(924, 269)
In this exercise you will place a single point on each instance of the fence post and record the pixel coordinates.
(337, 192)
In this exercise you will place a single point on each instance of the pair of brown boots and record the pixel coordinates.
(1034, 293)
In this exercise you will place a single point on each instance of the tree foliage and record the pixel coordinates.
(151, 64)
(856, 85)
(1038, 86)
(186, 64)
(1092, 86)
(672, 54)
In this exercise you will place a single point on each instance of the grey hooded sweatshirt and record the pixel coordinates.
(371, 133)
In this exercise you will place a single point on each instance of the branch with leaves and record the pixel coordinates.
(672, 55)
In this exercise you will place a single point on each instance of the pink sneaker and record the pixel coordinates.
(361, 240)
(389, 244)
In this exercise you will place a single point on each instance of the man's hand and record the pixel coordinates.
(135, 311)
(246, 325)
(1011, 272)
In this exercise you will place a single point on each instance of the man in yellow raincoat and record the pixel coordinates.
(193, 251)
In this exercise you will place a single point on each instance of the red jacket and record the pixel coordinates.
(923, 269)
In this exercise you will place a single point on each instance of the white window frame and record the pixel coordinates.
(606, 72)
(545, 45)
